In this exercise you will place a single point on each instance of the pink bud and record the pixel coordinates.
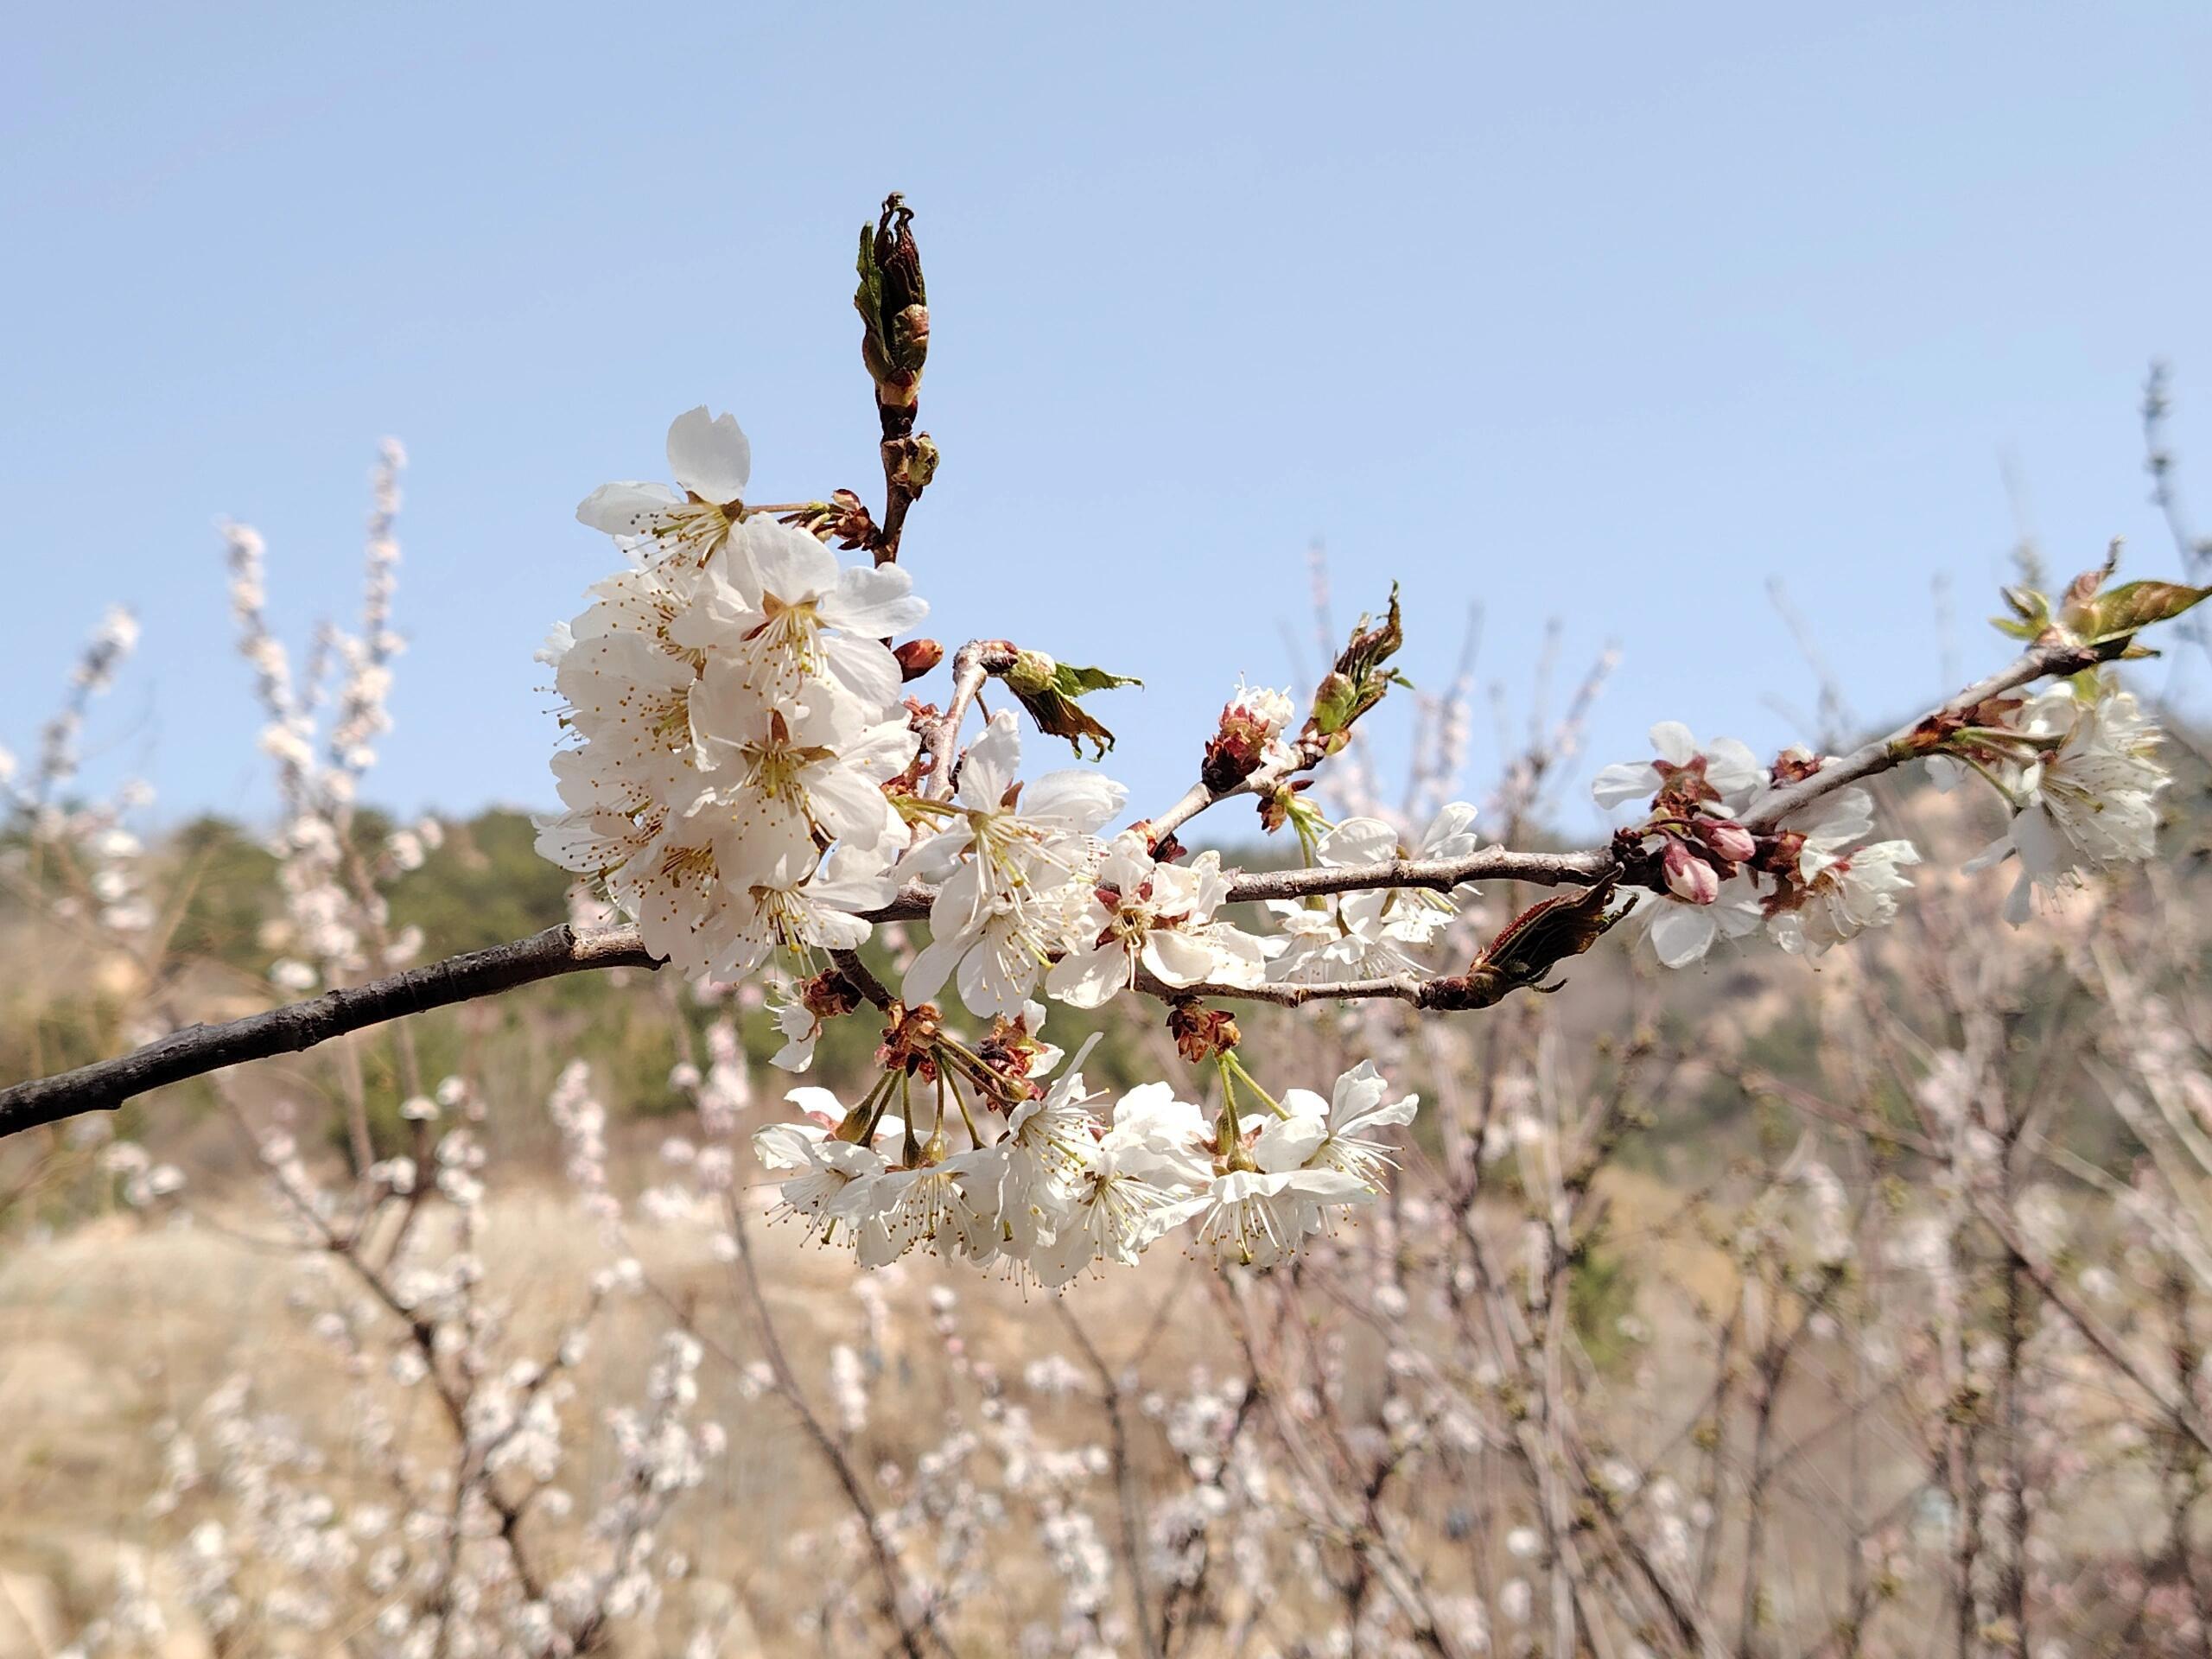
(1690, 878)
(1728, 838)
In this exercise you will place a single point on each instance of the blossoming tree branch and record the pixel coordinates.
(755, 771)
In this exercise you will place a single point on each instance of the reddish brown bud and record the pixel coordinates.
(1235, 751)
(1010, 1052)
(910, 1039)
(827, 995)
(1728, 838)
(918, 657)
(1201, 1032)
(1794, 765)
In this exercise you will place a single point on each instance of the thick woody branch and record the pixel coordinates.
(1437, 875)
(198, 1050)
(1403, 987)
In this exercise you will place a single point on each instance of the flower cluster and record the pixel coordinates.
(1369, 934)
(1070, 1183)
(750, 780)
(1813, 883)
(737, 714)
(2077, 764)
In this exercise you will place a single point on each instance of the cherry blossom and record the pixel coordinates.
(711, 461)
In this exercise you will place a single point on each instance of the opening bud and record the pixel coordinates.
(1728, 839)
(918, 657)
(1690, 878)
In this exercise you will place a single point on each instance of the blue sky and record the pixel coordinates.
(1608, 314)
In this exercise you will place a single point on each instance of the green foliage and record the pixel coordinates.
(228, 883)
(1601, 1293)
(485, 885)
(1048, 690)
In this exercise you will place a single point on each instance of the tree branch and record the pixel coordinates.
(197, 1050)
(1884, 752)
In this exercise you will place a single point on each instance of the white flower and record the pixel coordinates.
(1368, 934)
(1681, 933)
(711, 461)
(798, 907)
(2089, 803)
(936, 1206)
(1258, 1217)
(1050, 1143)
(1128, 1194)
(1852, 891)
(1835, 821)
(609, 820)
(826, 1169)
(785, 769)
(1013, 884)
(777, 603)
(1159, 917)
(1724, 774)
(630, 696)
(1336, 1132)
(673, 886)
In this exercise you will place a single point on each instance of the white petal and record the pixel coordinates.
(1088, 979)
(867, 668)
(1358, 842)
(787, 562)
(1623, 781)
(878, 602)
(1731, 768)
(1674, 743)
(709, 457)
(1177, 959)
(1287, 1142)
(926, 977)
(989, 767)
(1681, 933)
(625, 509)
(1077, 802)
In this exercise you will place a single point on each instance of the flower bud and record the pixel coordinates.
(828, 995)
(918, 657)
(1794, 764)
(893, 304)
(1032, 672)
(1201, 1032)
(1690, 878)
(1249, 723)
(911, 461)
(1728, 838)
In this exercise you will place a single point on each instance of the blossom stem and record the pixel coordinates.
(1226, 1135)
(878, 1098)
(946, 1079)
(1989, 777)
(1274, 1105)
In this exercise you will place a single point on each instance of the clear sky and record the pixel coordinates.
(1606, 312)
